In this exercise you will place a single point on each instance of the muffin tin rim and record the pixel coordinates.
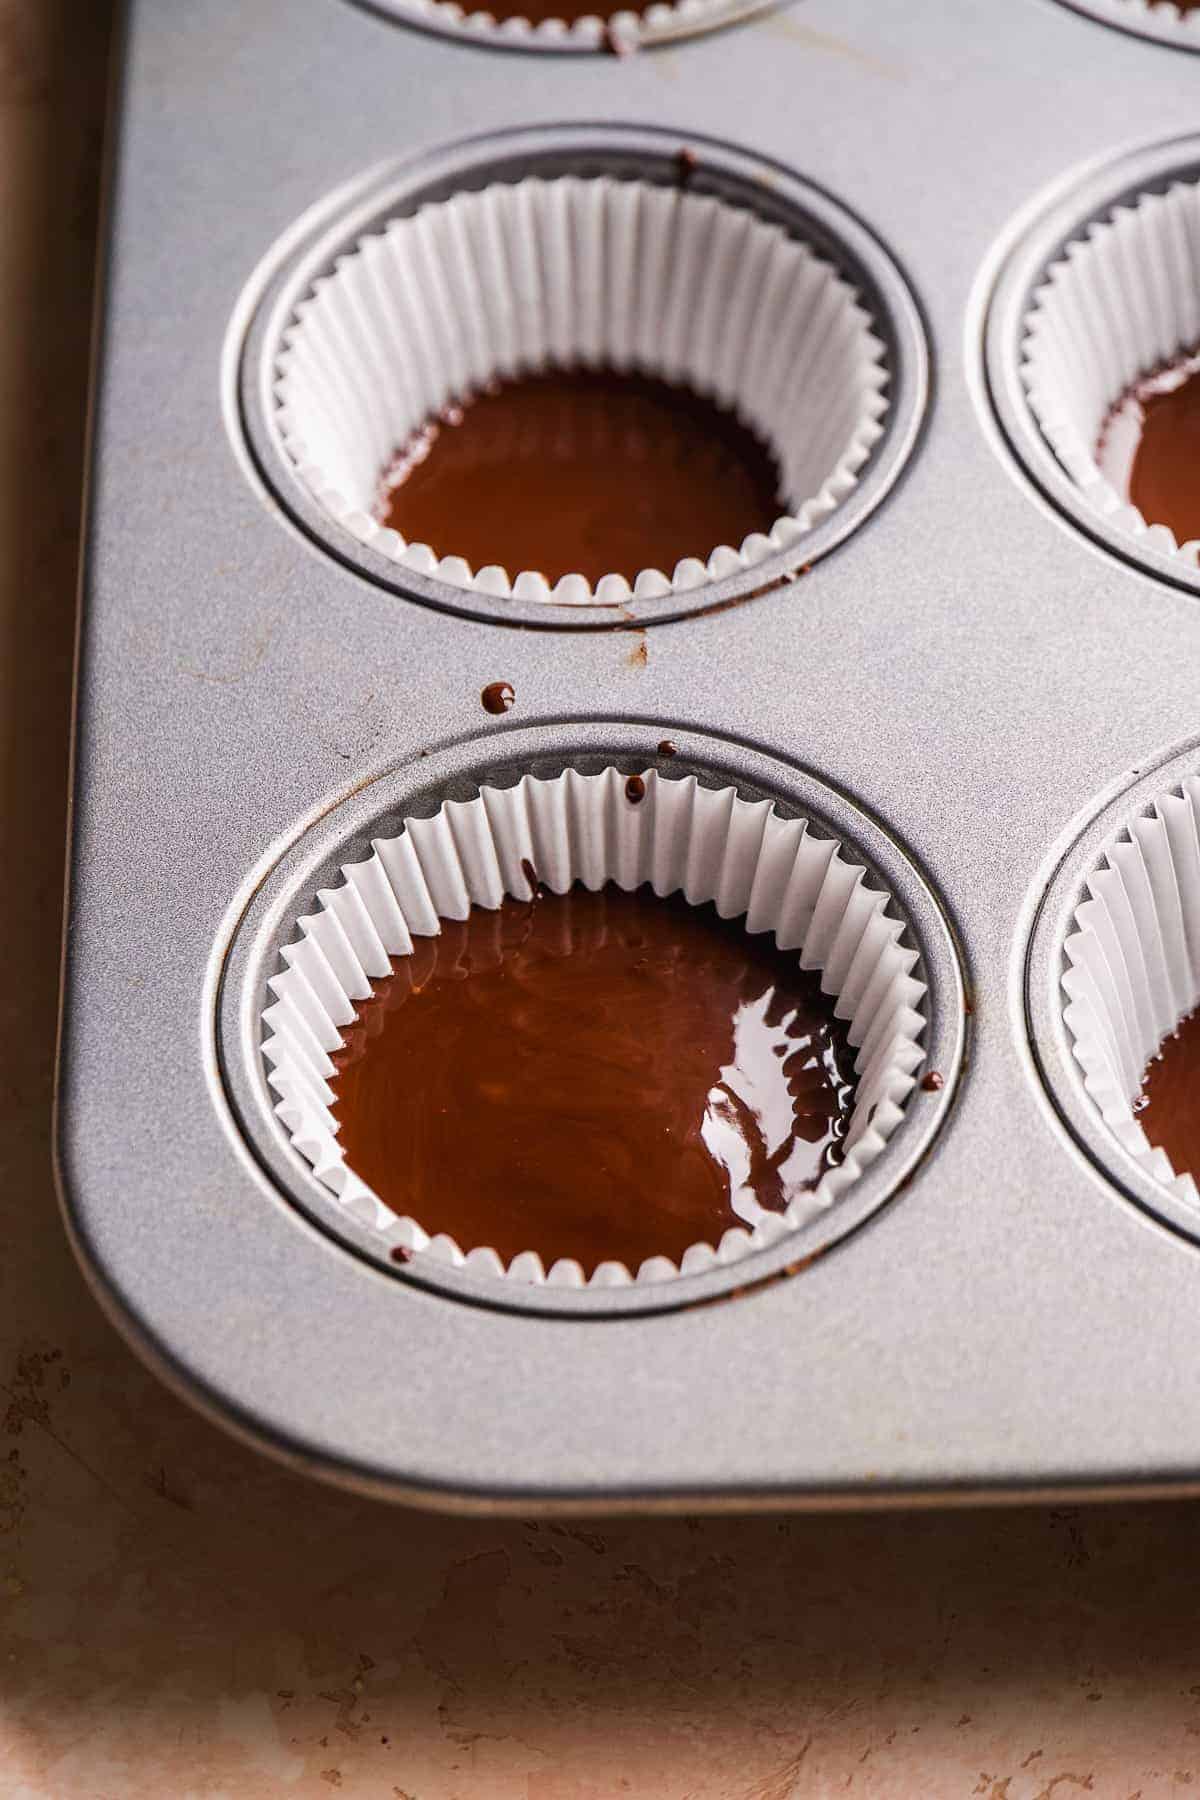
(457, 31)
(311, 244)
(1174, 34)
(1045, 963)
(873, 1405)
(1038, 237)
(257, 926)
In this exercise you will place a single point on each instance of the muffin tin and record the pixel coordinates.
(959, 673)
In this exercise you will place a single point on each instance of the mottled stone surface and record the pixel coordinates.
(179, 1618)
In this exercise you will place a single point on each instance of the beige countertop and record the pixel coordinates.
(180, 1618)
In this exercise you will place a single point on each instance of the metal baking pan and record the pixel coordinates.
(964, 680)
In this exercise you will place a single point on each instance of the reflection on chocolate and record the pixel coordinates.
(1169, 1110)
(1164, 483)
(593, 1076)
(582, 471)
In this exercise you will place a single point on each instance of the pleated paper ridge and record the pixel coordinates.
(623, 30)
(592, 272)
(1133, 972)
(1123, 299)
(1185, 27)
(710, 845)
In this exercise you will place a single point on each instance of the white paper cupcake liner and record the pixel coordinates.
(589, 272)
(1123, 300)
(626, 30)
(709, 844)
(1134, 966)
(1159, 19)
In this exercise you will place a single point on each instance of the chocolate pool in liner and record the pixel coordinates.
(708, 844)
(1122, 302)
(594, 272)
(1133, 967)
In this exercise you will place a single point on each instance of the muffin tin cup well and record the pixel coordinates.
(1114, 968)
(1133, 966)
(719, 820)
(502, 256)
(663, 22)
(573, 272)
(1123, 301)
(1102, 290)
(707, 843)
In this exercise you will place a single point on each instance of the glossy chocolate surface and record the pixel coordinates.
(1164, 482)
(587, 472)
(1169, 1111)
(598, 1076)
(497, 697)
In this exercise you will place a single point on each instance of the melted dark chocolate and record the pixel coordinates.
(593, 1076)
(1164, 482)
(582, 471)
(1169, 1111)
(497, 696)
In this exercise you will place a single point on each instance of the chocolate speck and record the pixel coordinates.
(667, 748)
(497, 696)
(531, 876)
(933, 1082)
(635, 790)
(685, 164)
(400, 1253)
(639, 656)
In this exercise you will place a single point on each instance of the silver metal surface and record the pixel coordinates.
(969, 669)
(767, 189)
